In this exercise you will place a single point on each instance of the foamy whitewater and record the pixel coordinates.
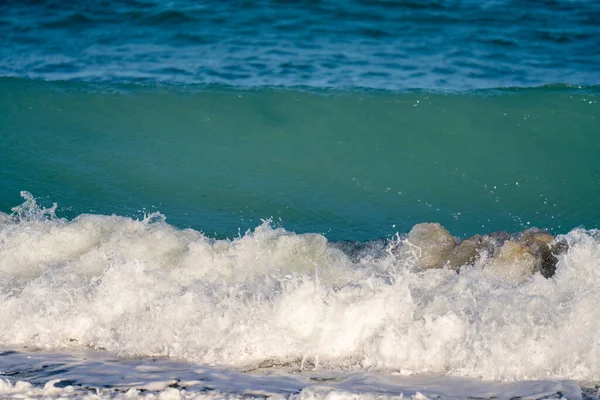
(284, 304)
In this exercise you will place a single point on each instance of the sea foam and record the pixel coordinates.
(273, 298)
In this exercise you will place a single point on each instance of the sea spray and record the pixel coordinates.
(136, 287)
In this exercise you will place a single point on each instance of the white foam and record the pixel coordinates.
(272, 296)
(24, 390)
(98, 376)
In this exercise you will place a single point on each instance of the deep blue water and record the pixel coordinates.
(428, 44)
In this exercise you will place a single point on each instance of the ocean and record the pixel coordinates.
(299, 200)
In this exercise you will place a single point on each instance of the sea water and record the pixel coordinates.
(212, 199)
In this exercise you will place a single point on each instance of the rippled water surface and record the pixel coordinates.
(435, 44)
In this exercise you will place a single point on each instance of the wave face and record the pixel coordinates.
(272, 297)
(433, 44)
(352, 165)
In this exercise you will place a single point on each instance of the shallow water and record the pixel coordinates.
(101, 376)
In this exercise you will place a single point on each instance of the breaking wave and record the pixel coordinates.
(276, 298)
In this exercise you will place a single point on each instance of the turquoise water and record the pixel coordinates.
(355, 165)
(354, 119)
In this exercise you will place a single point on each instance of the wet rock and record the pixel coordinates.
(470, 250)
(520, 255)
(550, 261)
(513, 262)
(434, 244)
(542, 243)
(498, 238)
(511, 257)
(534, 237)
(466, 253)
(536, 242)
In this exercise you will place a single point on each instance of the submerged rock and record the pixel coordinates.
(434, 244)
